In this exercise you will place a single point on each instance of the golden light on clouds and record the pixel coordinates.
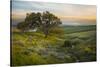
(18, 15)
(78, 17)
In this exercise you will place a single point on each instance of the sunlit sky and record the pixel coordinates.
(70, 14)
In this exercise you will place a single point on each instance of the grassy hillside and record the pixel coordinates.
(73, 29)
(76, 44)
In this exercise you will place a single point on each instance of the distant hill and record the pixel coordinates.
(72, 29)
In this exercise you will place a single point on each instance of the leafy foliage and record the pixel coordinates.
(44, 21)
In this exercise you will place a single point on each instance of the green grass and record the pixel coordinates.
(32, 48)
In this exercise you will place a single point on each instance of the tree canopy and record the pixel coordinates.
(44, 21)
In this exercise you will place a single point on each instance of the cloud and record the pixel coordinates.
(65, 12)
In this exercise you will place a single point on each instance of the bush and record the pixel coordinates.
(67, 43)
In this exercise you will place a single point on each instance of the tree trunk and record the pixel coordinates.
(46, 32)
(46, 36)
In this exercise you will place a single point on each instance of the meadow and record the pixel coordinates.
(74, 44)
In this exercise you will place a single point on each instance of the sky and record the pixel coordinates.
(70, 14)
